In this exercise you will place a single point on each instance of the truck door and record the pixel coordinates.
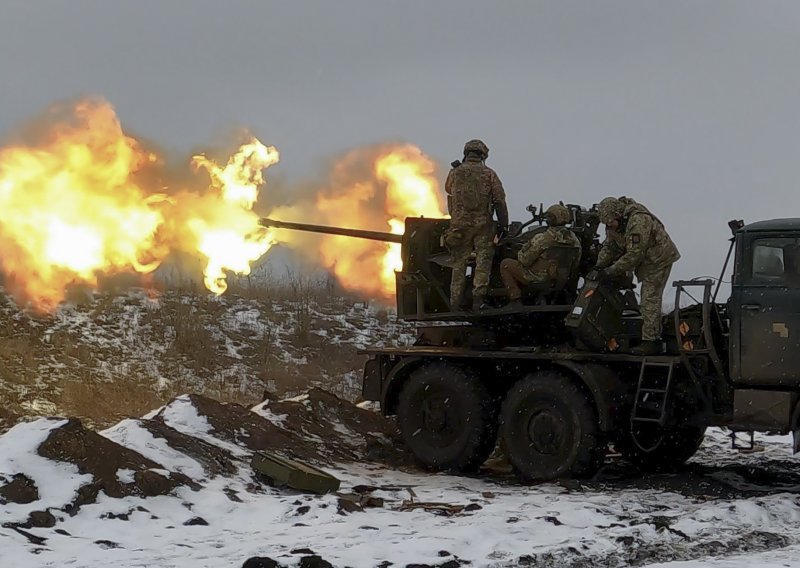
(766, 303)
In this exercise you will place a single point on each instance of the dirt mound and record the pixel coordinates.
(213, 459)
(318, 427)
(347, 432)
(186, 443)
(104, 460)
(21, 490)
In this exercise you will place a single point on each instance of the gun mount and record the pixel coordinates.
(423, 284)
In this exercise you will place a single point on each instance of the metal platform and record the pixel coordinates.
(536, 353)
(493, 313)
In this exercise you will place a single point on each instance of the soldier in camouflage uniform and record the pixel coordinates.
(474, 193)
(636, 241)
(534, 265)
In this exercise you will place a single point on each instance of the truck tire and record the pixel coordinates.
(447, 418)
(549, 428)
(671, 448)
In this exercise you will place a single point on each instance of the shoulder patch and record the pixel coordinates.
(636, 238)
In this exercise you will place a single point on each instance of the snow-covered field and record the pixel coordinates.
(725, 509)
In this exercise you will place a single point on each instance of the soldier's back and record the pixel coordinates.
(470, 189)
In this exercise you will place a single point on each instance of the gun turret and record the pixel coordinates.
(356, 233)
(423, 283)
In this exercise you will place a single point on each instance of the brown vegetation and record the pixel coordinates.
(121, 355)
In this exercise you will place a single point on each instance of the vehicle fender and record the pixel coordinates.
(610, 394)
(393, 383)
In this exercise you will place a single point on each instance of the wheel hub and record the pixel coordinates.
(434, 415)
(546, 431)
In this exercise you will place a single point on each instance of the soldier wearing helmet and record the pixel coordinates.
(474, 194)
(542, 258)
(636, 241)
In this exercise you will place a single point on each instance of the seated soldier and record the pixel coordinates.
(545, 259)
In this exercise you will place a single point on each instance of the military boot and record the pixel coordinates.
(649, 347)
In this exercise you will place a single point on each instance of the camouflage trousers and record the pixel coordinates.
(515, 274)
(480, 241)
(653, 284)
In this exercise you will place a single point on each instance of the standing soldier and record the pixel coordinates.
(637, 241)
(474, 193)
(544, 257)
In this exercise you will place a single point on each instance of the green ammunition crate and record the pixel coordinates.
(596, 317)
(290, 473)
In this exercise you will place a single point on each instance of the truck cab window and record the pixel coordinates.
(774, 262)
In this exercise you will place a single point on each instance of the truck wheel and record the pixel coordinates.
(447, 417)
(549, 428)
(667, 448)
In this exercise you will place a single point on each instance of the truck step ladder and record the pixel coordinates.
(652, 391)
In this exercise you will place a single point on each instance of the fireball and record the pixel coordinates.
(374, 189)
(70, 208)
(223, 225)
(76, 204)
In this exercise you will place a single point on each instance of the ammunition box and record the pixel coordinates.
(596, 317)
(282, 471)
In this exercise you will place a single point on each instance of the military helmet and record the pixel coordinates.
(476, 146)
(557, 215)
(609, 209)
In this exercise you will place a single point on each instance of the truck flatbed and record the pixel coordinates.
(491, 313)
(517, 353)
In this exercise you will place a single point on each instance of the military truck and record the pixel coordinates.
(553, 379)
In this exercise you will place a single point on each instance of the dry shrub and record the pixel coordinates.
(19, 349)
(191, 337)
(107, 402)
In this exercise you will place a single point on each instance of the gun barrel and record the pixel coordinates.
(356, 233)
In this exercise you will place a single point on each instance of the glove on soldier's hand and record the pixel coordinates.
(603, 276)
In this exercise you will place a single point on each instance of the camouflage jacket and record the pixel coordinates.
(532, 254)
(643, 244)
(492, 197)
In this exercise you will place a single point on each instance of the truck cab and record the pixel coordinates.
(764, 306)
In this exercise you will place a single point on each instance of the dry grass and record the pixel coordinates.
(145, 351)
(186, 324)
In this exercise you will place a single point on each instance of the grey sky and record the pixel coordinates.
(689, 106)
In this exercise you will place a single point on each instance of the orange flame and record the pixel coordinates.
(77, 205)
(374, 189)
(411, 191)
(71, 209)
(228, 232)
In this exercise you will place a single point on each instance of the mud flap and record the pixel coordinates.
(372, 385)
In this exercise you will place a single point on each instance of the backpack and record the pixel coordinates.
(468, 188)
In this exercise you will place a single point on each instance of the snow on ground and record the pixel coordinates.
(57, 482)
(725, 509)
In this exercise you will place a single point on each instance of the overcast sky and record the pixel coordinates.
(691, 107)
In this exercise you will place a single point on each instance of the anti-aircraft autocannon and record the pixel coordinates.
(554, 379)
(423, 284)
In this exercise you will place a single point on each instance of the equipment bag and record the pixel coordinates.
(468, 188)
